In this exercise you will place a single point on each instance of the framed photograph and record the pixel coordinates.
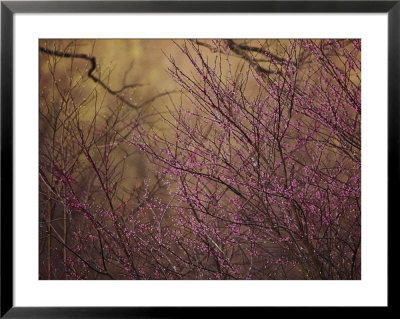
(161, 156)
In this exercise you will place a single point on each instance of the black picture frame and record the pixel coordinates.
(9, 8)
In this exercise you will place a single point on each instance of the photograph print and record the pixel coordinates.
(199, 159)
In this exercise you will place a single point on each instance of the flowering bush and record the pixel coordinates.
(264, 160)
(256, 171)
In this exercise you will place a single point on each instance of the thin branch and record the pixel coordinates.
(90, 74)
